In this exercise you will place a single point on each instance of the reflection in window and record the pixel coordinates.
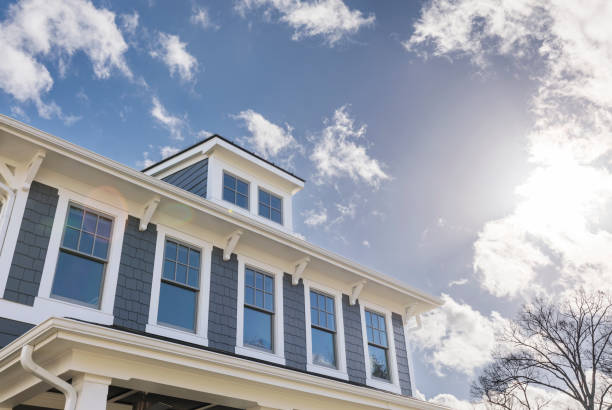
(258, 309)
(235, 190)
(82, 257)
(179, 286)
(377, 345)
(323, 329)
(270, 206)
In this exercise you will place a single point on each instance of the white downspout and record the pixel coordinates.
(28, 364)
(5, 214)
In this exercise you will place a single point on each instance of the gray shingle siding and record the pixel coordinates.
(222, 315)
(32, 242)
(294, 324)
(11, 330)
(192, 179)
(135, 276)
(401, 354)
(353, 340)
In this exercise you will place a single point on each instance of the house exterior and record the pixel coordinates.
(183, 286)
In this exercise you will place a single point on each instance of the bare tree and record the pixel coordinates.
(563, 347)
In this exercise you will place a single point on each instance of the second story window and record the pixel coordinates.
(258, 310)
(270, 206)
(83, 256)
(235, 190)
(377, 345)
(180, 284)
(323, 332)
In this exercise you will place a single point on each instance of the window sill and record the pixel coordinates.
(383, 385)
(327, 371)
(260, 354)
(61, 308)
(183, 335)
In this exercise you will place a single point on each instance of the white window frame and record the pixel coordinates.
(60, 307)
(238, 176)
(200, 336)
(393, 384)
(341, 371)
(278, 353)
(282, 210)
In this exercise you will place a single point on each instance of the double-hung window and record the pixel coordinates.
(377, 345)
(258, 310)
(323, 329)
(83, 256)
(180, 284)
(270, 206)
(235, 190)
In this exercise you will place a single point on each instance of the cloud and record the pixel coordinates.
(204, 134)
(330, 19)
(366, 243)
(173, 53)
(267, 138)
(338, 153)
(455, 337)
(315, 217)
(458, 282)
(164, 151)
(170, 122)
(129, 22)
(558, 236)
(200, 17)
(167, 151)
(54, 30)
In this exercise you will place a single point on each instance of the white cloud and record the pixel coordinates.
(315, 217)
(174, 54)
(458, 282)
(556, 237)
(167, 151)
(18, 112)
(200, 17)
(332, 20)
(337, 152)
(366, 243)
(267, 138)
(170, 122)
(202, 134)
(456, 337)
(348, 210)
(129, 22)
(36, 30)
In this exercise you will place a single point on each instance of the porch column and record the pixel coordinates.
(92, 391)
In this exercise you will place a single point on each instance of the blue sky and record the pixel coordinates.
(434, 135)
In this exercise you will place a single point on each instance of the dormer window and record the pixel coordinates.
(235, 190)
(270, 206)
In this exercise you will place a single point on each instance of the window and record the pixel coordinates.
(83, 256)
(270, 206)
(323, 332)
(377, 345)
(180, 284)
(235, 190)
(258, 310)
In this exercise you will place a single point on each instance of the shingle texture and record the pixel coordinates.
(192, 179)
(222, 315)
(135, 276)
(32, 242)
(294, 324)
(353, 340)
(401, 354)
(11, 330)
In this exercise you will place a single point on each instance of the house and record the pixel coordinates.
(183, 286)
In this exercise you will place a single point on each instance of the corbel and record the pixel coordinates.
(8, 176)
(230, 244)
(32, 169)
(299, 270)
(147, 213)
(356, 291)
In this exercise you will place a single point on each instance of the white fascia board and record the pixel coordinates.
(166, 190)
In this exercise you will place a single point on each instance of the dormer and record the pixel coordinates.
(235, 178)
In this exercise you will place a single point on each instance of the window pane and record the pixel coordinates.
(90, 222)
(229, 195)
(177, 306)
(383, 339)
(276, 216)
(321, 302)
(229, 181)
(71, 238)
(194, 259)
(78, 278)
(249, 277)
(314, 316)
(249, 296)
(264, 197)
(259, 280)
(370, 335)
(322, 321)
(313, 299)
(182, 254)
(242, 201)
(242, 187)
(269, 284)
(168, 272)
(264, 211)
(170, 250)
(275, 202)
(100, 247)
(194, 278)
(75, 217)
(378, 362)
(368, 316)
(104, 227)
(269, 302)
(330, 305)
(330, 322)
(181, 273)
(323, 349)
(381, 322)
(86, 244)
(259, 299)
(257, 329)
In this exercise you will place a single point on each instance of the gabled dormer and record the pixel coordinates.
(229, 175)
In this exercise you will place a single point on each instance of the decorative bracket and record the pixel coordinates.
(231, 242)
(299, 270)
(8, 176)
(147, 213)
(32, 169)
(356, 291)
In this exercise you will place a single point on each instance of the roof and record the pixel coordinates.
(229, 142)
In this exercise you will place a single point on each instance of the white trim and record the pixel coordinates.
(7, 198)
(111, 274)
(201, 328)
(278, 354)
(340, 372)
(392, 385)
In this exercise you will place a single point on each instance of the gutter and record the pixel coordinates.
(43, 374)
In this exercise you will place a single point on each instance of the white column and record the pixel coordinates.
(92, 391)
